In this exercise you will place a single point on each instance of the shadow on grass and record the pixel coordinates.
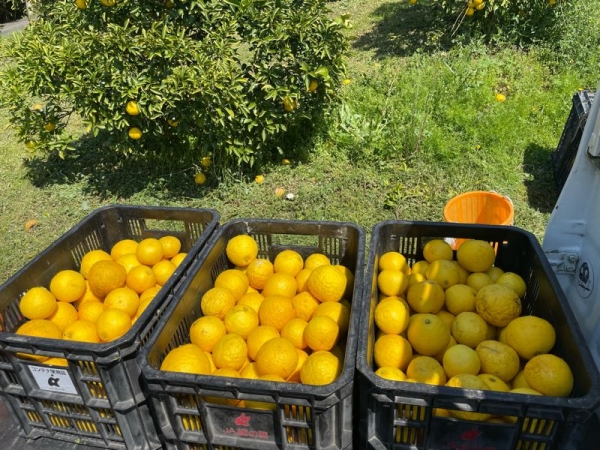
(405, 29)
(541, 186)
(107, 173)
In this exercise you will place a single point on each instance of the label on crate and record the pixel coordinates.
(52, 379)
(585, 279)
(245, 424)
(463, 435)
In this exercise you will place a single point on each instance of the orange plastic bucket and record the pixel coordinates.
(480, 207)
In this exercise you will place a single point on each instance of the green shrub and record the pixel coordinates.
(11, 10)
(219, 77)
(521, 22)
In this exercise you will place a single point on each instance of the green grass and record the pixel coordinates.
(418, 125)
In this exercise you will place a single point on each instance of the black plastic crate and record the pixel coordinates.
(399, 415)
(305, 417)
(98, 399)
(564, 156)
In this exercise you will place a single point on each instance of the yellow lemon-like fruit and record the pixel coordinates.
(106, 275)
(391, 315)
(217, 301)
(81, 331)
(276, 311)
(327, 283)
(549, 375)
(498, 304)
(64, 315)
(277, 356)
(428, 334)
(494, 383)
(469, 328)
(124, 299)
(530, 336)
(437, 249)
(200, 178)
(241, 250)
(478, 280)
(282, 284)
(392, 350)
(321, 368)
(468, 381)
(67, 285)
(134, 132)
(321, 333)
(460, 298)
(258, 337)
(293, 331)
(112, 324)
(132, 108)
(426, 296)
(234, 280)
(187, 358)
(258, 271)
(476, 255)
(461, 359)
(206, 331)
(241, 320)
(444, 272)
(393, 261)
(230, 352)
(498, 359)
(288, 261)
(40, 328)
(38, 303)
(425, 369)
(513, 281)
(494, 272)
(391, 373)
(140, 279)
(392, 282)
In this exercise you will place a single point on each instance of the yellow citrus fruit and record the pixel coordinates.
(123, 247)
(150, 293)
(447, 317)
(444, 272)
(112, 324)
(321, 368)
(288, 261)
(106, 275)
(293, 331)
(56, 362)
(132, 108)
(149, 251)
(301, 280)
(134, 132)
(494, 272)
(234, 280)
(469, 328)
(230, 352)
(187, 358)
(498, 304)
(64, 315)
(392, 350)
(420, 267)
(40, 328)
(415, 278)
(476, 255)
(477, 280)
(226, 372)
(426, 297)
(305, 305)
(67, 285)
(390, 373)
(498, 359)
(513, 281)
(206, 331)
(468, 381)
(276, 311)
(200, 178)
(463, 273)
(91, 258)
(393, 261)
(258, 271)
(90, 311)
(391, 315)
(519, 380)
(425, 369)
(494, 383)
(277, 356)
(321, 333)
(460, 298)
(339, 312)
(87, 296)
(327, 283)
(530, 336)
(171, 246)
(252, 299)
(38, 303)
(178, 258)
(392, 282)
(249, 371)
(349, 279)
(428, 334)
(81, 331)
(258, 337)
(140, 278)
(281, 284)
(461, 359)
(123, 298)
(241, 320)
(217, 301)
(241, 250)
(549, 375)
(492, 332)
(295, 376)
(129, 261)
(437, 249)
(163, 271)
(315, 260)
(81, 4)
(524, 391)
(440, 356)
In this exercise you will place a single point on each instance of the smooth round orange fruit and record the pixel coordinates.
(163, 271)
(393, 261)
(171, 246)
(293, 331)
(302, 278)
(38, 303)
(444, 272)
(258, 271)
(241, 320)
(392, 282)
(91, 258)
(106, 275)
(178, 258)
(391, 315)
(123, 298)
(425, 369)
(123, 247)
(206, 331)
(321, 333)
(64, 315)
(90, 311)
(258, 337)
(252, 299)
(461, 359)
(392, 350)
(40, 328)
(476, 255)
(321, 368)
(187, 358)
(129, 261)
(149, 251)
(282, 284)
(81, 331)
(141, 278)
(241, 250)
(428, 334)
(234, 280)
(437, 249)
(277, 356)
(426, 297)
(315, 260)
(288, 261)
(338, 311)
(67, 285)
(112, 324)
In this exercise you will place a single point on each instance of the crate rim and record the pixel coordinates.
(589, 401)
(157, 376)
(129, 338)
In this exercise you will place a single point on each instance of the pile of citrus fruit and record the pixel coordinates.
(457, 322)
(101, 301)
(283, 320)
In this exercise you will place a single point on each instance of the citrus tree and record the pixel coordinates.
(219, 77)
